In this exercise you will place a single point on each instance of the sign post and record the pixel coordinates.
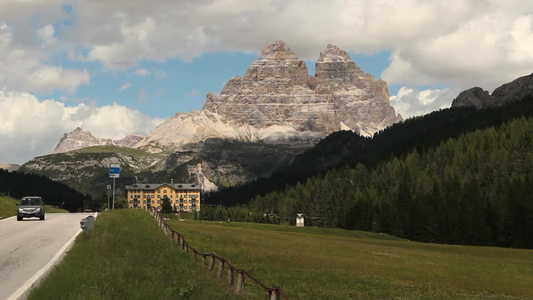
(108, 196)
(114, 172)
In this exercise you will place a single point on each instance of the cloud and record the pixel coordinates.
(28, 69)
(142, 72)
(410, 102)
(194, 93)
(160, 74)
(31, 127)
(125, 86)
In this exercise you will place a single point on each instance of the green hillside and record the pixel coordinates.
(474, 189)
(348, 148)
(18, 184)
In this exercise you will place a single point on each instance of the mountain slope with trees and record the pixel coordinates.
(458, 175)
(18, 184)
(474, 189)
(348, 148)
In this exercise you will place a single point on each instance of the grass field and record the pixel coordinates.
(318, 263)
(126, 256)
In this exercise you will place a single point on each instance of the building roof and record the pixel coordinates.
(154, 186)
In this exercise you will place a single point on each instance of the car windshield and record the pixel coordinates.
(30, 201)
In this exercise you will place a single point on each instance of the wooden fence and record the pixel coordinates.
(210, 260)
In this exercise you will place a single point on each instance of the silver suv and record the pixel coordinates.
(30, 206)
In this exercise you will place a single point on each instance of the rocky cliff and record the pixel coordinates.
(277, 100)
(79, 138)
(507, 93)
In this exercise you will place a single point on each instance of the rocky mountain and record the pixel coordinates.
(507, 93)
(79, 139)
(277, 100)
(258, 123)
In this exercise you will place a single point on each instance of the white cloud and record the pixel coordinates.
(142, 72)
(31, 127)
(486, 50)
(125, 86)
(27, 68)
(410, 102)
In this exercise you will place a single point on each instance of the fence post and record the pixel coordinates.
(211, 264)
(240, 282)
(220, 270)
(274, 295)
(230, 276)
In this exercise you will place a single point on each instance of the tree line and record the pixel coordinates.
(17, 185)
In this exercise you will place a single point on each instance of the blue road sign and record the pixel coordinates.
(114, 170)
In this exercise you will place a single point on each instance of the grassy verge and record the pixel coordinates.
(126, 256)
(318, 263)
(8, 207)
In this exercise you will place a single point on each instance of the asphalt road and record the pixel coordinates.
(30, 247)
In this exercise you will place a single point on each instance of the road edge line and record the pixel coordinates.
(34, 280)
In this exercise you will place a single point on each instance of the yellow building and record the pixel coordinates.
(183, 197)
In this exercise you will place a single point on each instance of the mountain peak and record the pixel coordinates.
(80, 138)
(278, 50)
(503, 95)
(334, 54)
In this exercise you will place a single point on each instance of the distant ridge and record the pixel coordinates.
(503, 95)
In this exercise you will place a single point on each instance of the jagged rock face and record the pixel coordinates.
(277, 90)
(79, 138)
(505, 94)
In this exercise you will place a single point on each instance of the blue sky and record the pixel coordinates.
(118, 68)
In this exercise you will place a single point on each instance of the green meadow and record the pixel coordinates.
(321, 263)
(127, 256)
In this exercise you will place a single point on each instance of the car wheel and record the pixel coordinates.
(42, 217)
(19, 218)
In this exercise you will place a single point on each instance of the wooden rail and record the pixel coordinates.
(210, 259)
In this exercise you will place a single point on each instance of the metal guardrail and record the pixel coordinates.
(210, 261)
